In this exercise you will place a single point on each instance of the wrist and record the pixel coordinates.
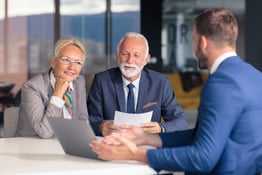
(140, 155)
(162, 128)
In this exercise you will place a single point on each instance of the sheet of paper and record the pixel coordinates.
(137, 119)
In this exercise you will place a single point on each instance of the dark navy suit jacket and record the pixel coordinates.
(228, 136)
(155, 93)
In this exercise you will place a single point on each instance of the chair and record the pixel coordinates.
(6, 95)
(17, 98)
(11, 115)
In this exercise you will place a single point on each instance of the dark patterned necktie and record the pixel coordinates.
(68, 102)
(130, 99)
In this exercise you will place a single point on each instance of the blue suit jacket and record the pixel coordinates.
(228, 135)
(107, 95)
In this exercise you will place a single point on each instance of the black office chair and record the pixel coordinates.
(17, 99)
(6, 95)
(6, 98)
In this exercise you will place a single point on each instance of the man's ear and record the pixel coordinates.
(203, 42)
(147, 59)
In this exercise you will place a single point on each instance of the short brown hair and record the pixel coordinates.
(218, 25)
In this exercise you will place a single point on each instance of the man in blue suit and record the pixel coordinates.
(227, 139)
(152, 91)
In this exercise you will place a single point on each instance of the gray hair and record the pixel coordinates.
(65, 41)
(133, 35)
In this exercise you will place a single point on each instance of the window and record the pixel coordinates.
(27, 33)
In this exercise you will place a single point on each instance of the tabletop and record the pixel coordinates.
(22, 155)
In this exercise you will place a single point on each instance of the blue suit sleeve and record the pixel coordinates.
(216, 120)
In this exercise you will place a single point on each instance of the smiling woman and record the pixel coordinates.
(59, 92)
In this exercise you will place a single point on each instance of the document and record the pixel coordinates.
(137, 119)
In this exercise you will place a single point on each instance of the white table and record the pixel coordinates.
(46, 157)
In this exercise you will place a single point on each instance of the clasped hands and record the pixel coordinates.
(121, 142)
(122, 145)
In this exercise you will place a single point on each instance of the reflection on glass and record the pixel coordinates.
(177, 29)
(30, 36)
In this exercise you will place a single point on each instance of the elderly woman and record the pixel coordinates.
(59, 92)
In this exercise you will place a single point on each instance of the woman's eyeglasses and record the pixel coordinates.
(67, 61)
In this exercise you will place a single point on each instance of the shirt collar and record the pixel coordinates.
(220, 59)
(53, 80)
(135, 83)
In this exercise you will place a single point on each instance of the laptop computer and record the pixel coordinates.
(74, 136)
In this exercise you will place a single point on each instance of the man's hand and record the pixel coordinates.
(152, 127)
(107, 127)
(125, 150)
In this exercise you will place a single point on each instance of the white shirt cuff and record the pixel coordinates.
(57, 101)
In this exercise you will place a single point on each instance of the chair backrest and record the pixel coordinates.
(11, 116)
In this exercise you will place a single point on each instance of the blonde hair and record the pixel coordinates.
(65, 41)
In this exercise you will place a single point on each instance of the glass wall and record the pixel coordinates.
(2, 61)
(16, 34)
(86, 21)
(27, 33)
(177, 30)
(125, 18)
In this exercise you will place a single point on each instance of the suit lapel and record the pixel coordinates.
(50, 89)
(75, 95)
(143, 87)
(118, 83)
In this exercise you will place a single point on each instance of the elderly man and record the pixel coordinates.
(151, 91)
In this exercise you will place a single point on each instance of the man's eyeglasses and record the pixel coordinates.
(67, 61)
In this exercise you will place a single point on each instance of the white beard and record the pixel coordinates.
(128, 73)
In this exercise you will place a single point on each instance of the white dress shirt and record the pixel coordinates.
(220, 59)
(135, 89)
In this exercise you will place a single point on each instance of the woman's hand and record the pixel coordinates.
(61, 86)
